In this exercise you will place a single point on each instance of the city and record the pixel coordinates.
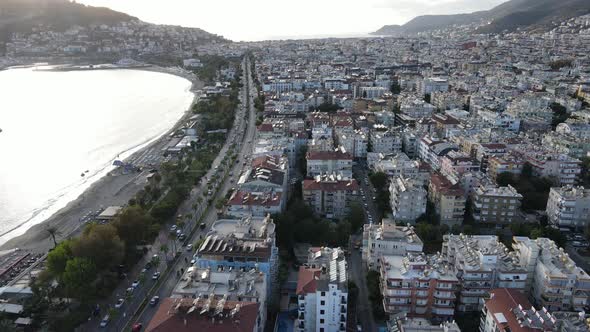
(429, 182)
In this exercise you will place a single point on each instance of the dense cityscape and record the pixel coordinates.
(435, 182)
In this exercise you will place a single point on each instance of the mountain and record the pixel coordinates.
(511, 15)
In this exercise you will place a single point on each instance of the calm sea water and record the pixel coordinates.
(56, 125)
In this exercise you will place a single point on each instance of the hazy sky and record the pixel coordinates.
(271, 19)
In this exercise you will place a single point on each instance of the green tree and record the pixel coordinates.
(356, 216)
(132, 225)
(53, 232)
(77, 277)
(58, 257)
(101, 245)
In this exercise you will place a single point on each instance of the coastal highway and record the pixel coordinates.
(240, 138)
(168, 285)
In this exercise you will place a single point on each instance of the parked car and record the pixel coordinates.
(156, 275)
(130, 290)
(136, 327)
(202, 225)
(105, 321)
(135, 284)
(189, 247)
(119, 303)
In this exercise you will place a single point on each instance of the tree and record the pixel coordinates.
(356, 217)
(77, 277)
(53, 232)
(427, 98)
(379, 180)
(101, 245)
(132, 225)
(559, 114)
(164, 249)
(58, 258)
(395, 87)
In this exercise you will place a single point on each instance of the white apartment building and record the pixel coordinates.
(500, 120)
(554, 280)
(225, 284)
(406, 324)
(433, 84)
(322, 292)
(400, 165)
(353, 141)
(388, 239)
(372, 92)
(386, 141)
(431, 150)
(408, 199)
(481, 263)
(416, 108)
(329, 162)
(569, 207)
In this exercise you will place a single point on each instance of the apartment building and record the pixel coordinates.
(496, 206)
(387, 238)
(245, 243)
(400, 165)
(456, 163)
(433, 84)
(408, 199)
(223, 285)
(416, 108)
(431, 150)
(330, 196)
(569, 207)
(504, 164)
(508, 310)
(556, 282)
(419, 286)
(481, 263)
(322, 292)
(389, 141)
(448, 199)
(329, 162)
(407, 324)
(561, 167)
(353, 141)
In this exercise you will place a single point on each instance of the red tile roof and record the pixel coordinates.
(502, 301)
(168, 319)
(307, 280)
(328, 155)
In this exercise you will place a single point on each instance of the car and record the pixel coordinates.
(155, 257)
(135, 284)
(193, 261)
(178, 232)
(156, 275)
(105, 321)
(189, 247)
(154, 300)
(148, 265)
(119, 303)
(374, 197)
(136, 327)
(182, 237)
(143, 271)
(130, 290)
(359, 328)
(202, 225)
(173, 228)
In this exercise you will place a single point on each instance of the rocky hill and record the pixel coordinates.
(509, 16)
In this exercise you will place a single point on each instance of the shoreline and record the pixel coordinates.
(106, 191)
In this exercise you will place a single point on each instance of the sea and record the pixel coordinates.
(56, 126)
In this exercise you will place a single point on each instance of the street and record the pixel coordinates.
(240, 138)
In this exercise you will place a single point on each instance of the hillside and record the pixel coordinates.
(511, 15)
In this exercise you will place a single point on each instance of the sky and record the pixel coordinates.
(252, 20)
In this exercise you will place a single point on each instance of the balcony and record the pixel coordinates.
(343, 310)
(342, 318)
(343, 300)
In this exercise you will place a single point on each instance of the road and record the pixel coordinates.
(167, 286)
(358, 274)
(239, 138)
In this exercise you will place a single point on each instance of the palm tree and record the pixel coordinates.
(53, 232)
(164, 249)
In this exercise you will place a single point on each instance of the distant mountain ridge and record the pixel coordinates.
(57, 15)
(511, 15)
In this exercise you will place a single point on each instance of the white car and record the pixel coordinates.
(135, 284)
(119, 303)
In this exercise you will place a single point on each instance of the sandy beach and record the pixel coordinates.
(114, 189)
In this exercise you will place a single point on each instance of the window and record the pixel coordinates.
(322, 312)
(323, 293)
(321, 321)
(322, 302)
(321, 329)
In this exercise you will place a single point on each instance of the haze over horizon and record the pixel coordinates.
(276, 19)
